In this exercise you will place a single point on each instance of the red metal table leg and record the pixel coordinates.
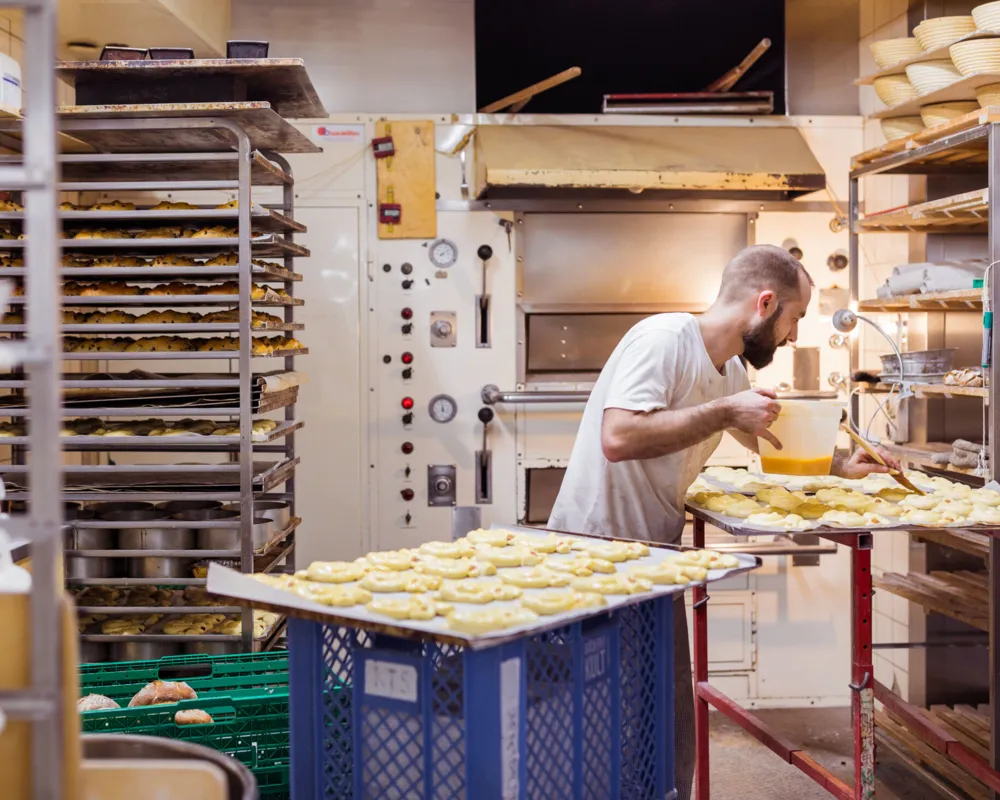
(700, 612)
(862, 675)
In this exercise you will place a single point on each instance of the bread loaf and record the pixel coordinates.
(159, 692)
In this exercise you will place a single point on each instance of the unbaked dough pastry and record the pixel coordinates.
(582, 565)
(341, 595)
(534, 577)
(843, 519)
(454, 568)
(544, 544)
(954, 508)
(885, 509)
(113, 205)
(894, 494)
(985, 515)
(985, 497)
(412, 607)
(510, 556)
(615, 552)
(167, 205)
(264, 425)
(665, 573)
(159, 692)
(854, 501)
(919, 516)
(160, 233)
(192, 716)
(95, 702)
(476, 591)
(924, 502)
(333, 571)
(480, 621)
(231, 204)
(957, 491)
(392, 581)
(390, 560)
(559, 601)
(495, 537)
(701, 497)
(619, 583)
(460, 548)
(812, 510)
(777, 520)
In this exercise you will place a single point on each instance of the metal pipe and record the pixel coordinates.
(777, 549)
(491, 395)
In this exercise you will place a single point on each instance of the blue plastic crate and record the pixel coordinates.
(584, 712)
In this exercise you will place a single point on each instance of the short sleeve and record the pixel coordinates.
(644, 376)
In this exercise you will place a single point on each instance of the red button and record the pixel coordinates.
(407, 403)
(407, 494)
(407, 447)
(406, 313)
(407, 358)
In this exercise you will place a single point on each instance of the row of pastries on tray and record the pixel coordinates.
(262, 346)
(169, 317)
(171, 289)
(92, 426)
(120, 205)
(229, 259)
(164, 232)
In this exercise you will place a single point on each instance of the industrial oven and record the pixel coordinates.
(479, 344)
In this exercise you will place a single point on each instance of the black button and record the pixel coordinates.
(387, 268)
(407, 373)
(407, 284)
(407, 268)
(408, 329)
(407, 419)
(387, 359)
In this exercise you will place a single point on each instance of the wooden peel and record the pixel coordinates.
(725, 83)
(515, 102)
(898, 476)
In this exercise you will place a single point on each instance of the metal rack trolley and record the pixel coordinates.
(41, 703)
(157, 151)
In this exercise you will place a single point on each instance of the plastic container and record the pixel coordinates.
(807, 430)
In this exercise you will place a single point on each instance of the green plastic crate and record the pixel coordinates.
(121, 680)
(251, 726)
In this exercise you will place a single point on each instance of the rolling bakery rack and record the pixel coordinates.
(240, 261)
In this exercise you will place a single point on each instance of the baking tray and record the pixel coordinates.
(220, 300)
(179, 354)
(230, 584)
(173, 167)
(159, 274)
(262, 219)
(266, 244)
(188, 442)
(724, 486)
(184, 327)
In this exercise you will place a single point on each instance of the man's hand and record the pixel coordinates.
(753, 412)
(861, 464)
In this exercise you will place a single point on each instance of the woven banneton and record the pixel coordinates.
(930, 76)
(889, 52)
(976, 55)
(941, 113)
(987, 17)
(988, 95)
(901, 127)
(941, 31)
(894, 89)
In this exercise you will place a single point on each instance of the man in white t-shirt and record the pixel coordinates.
(669, 390)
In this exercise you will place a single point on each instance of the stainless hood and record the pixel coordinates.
(742, 162)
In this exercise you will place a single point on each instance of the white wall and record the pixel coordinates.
(406, 56)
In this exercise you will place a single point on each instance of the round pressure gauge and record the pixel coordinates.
(443, 253)
(443, 408)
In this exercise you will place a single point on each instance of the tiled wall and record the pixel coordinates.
(895, 619)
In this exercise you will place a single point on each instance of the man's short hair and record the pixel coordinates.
(762, 267)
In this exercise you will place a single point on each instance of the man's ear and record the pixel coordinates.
(767, 301)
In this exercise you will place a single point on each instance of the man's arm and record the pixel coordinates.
(635, 435)
(859, 463)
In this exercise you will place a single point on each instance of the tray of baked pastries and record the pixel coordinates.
(122, 213)
(768, 504)
(103, 348)
(484, 587)
(152, 431)
(116, 293)
(159, 321)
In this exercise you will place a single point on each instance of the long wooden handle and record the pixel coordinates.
(518, 99)
(725, 83)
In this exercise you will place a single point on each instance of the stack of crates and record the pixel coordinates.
(246, 695)
(583, 711)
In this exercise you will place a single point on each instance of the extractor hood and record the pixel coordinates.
(718, 161)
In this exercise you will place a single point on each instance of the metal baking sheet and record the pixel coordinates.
(262, 124)
(184, 327)
(262, 219)
(283, 82)
(70, 301)
(179, 354)
(158, 274)
(192, 441)
(230, 584)
(266, 245)
(177, 167)
(776, 480)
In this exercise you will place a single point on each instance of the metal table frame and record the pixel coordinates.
(865, 690)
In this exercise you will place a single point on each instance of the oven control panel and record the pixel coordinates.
(442, 325)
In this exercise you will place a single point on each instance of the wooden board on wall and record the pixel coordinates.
(410, 173)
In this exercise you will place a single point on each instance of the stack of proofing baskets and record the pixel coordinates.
(583, 711)
(246, 695)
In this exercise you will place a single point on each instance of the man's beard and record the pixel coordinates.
(760, 343)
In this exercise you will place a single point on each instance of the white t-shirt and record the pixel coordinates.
(660, 364)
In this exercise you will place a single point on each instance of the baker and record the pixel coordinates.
(658, 411)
